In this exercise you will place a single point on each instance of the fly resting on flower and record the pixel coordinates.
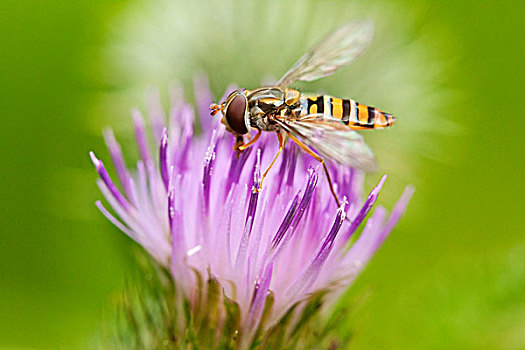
(323, 126)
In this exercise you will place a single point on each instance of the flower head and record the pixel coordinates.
(191, 206)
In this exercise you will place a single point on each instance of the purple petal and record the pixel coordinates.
(208, 168)
(282, 169)
(369, 203)
(297, 214)
(118, 160)
(107, 180)
(293, 164)
(115, 221)
(362, 250)
(305, 201)
(243, 245)
(398, 210)
(254, 195)
(375, 232)
(182, 116)
(287, 221)
(303, 282)
(140, 134)
(236, 167)
(178, 244)
(229, 233)
(163, 158)
(260, 293)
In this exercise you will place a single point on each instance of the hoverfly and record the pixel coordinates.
(323, 126)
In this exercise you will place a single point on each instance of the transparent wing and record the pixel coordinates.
(331, 139)
(337, 49)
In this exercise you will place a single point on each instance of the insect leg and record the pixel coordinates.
(239, 142)
(243, 147)
(319, 159)
(281, 146)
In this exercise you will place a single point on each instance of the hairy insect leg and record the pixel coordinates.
(319, 159)
(281, 146)
(252, 141)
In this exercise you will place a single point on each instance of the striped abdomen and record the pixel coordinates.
(350, 112)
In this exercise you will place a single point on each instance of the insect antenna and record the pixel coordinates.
(215, 108)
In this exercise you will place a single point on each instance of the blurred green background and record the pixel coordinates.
(453, 273)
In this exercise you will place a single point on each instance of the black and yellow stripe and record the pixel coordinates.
(315, 105)
(347, 108)
(336, 107)
(350, 112)
(367, 117)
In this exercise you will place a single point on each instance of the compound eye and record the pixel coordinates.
(235, 114)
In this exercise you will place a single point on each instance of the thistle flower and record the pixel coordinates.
(267, 257)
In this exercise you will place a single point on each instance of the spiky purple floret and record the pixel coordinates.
(163, 158)
(193, 209)
(102, 172)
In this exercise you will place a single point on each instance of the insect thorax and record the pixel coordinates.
(265, 104)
